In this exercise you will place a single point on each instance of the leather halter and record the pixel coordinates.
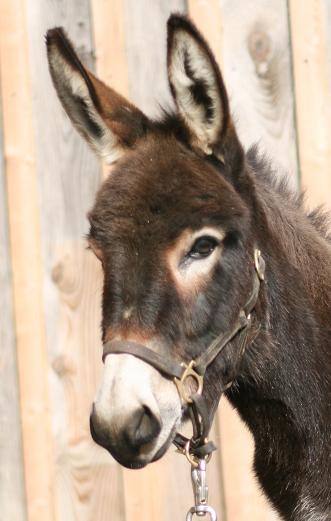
(198, 446)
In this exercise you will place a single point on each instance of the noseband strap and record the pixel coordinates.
(164, 365)
(199, 446)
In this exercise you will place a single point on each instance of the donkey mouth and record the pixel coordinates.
(128, 457)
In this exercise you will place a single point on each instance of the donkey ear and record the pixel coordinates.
(108, 122)
(196, 84)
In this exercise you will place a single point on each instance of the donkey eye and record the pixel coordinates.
(203, 247)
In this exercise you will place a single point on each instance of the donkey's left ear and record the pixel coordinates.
(196, 85)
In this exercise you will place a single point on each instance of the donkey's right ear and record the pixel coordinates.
(105, 119)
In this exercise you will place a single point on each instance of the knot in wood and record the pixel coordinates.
(260, 49)
(64, 274)
(63, 365)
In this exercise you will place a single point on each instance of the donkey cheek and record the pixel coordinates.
(198, 315)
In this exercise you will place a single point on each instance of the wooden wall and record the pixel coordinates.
(275, 55)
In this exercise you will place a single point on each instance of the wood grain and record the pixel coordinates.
(257, 70)
(311, 46)
(12, 494)
(25, 246)
(87, 482)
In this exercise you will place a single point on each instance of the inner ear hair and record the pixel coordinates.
(102, 116)
(196, 84)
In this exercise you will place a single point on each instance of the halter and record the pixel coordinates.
(198, 446)
(198, 449)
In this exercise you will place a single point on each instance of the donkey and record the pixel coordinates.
(175, 226)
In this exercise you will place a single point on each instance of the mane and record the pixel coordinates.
(319, 217)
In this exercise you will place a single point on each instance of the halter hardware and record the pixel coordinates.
(198, 449)
(200, 490)
(259, 264)
(182, 386)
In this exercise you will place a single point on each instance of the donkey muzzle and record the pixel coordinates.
(136, 411)
(141, 429)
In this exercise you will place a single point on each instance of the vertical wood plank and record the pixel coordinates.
(88, 485)
(206, 14)
(257, 70)
(146, 52)
(12, 495)
(310, 27)
(110, 44)
(110, 47)
(24, 233)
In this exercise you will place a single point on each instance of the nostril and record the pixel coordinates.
(149, 426)
(144, 427)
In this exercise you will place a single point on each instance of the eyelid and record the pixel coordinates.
(186, 260)
(217, 240)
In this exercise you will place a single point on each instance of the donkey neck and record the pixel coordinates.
(284, 390)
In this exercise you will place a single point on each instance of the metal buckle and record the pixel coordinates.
(258, 264)
(180, 383)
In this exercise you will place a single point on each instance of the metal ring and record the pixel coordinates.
(201, 511)
(194, 460)
(189, 456)
(180, 383)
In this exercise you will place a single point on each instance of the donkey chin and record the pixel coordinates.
(136, 413)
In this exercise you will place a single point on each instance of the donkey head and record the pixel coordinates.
(171, 227)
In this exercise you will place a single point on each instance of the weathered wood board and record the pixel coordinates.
(87, 483)
(24, 233)
(206, 14)
(311, 47)
(257, 71)
(147, 51)
(12, 492)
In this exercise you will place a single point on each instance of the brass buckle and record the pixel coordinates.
(180, 383)
(258, 264)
